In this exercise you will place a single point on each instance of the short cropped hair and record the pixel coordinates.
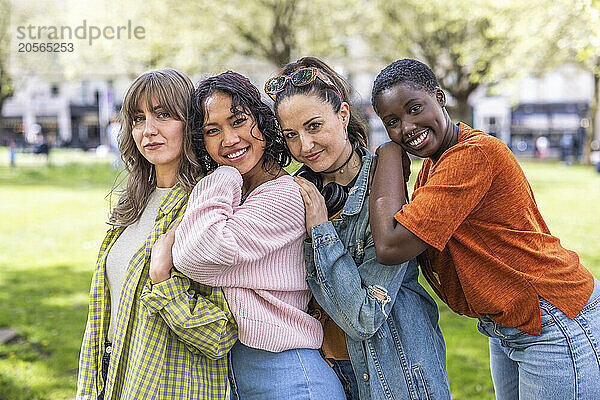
(407, 72)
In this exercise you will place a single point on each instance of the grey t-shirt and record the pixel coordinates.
(121, 252)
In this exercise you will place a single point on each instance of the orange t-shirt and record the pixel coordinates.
(490, 247)
(334, 339)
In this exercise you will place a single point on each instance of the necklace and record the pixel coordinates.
(341, 166)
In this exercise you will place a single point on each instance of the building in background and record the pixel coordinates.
(62, 114)
(541, 117)
(548, 116)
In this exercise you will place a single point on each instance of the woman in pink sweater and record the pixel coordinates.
(244, 230)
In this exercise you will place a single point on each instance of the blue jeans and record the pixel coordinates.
(297, 374)
(562, 363)
(343, 369)
(105, 363)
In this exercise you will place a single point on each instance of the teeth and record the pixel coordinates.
(418, 140)
(236, 154)
(414, 133)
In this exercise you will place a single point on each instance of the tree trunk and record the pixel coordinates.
(461, 111)
(593, 130)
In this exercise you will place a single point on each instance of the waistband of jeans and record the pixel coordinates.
(594, 299)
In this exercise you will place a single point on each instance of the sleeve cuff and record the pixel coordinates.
(309, 258)
(156, 296)
(323, 234)
(402, 220)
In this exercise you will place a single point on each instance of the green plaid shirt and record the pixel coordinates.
(171, 339)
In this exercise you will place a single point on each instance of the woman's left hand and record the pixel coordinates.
(161, 257)
(314, 203)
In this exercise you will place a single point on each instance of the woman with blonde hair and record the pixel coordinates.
(152, 333)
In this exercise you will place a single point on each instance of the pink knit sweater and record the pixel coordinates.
(255, 252)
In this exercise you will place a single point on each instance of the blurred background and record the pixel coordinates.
(526, 72)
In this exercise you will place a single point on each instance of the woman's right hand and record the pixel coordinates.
(314, 204)
(161, 258)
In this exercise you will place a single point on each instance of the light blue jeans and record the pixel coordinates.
(562, 363)
(297, 374)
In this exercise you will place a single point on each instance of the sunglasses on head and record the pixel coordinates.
(300, 77)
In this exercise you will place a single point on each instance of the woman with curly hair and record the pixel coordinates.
(243, 231)
(152, 333)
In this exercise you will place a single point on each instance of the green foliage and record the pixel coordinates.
(581, 33)
(195, 37)
(6, 84)
(466, 44)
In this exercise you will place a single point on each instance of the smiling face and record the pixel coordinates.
(314, 132)
(416, 120)
(158, 137)
(231, 139)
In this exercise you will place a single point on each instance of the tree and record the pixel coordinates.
(466, 44)
(586, 47)
(196, 37)
(6, 85)
(280, 30)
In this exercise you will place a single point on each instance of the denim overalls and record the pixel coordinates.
(391, 323)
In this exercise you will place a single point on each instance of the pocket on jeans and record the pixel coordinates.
(420, 383)
(546, 318)
(589, 321)
(491, 329)
(508, 333)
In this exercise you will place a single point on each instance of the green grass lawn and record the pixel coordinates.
(51, 227)
(54, 219)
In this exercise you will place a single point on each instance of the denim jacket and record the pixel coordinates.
(391, 323)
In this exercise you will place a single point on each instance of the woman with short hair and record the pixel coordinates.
(484, 246)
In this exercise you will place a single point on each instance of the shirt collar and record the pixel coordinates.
(172, 199)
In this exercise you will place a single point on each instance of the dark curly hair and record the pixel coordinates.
(407, 72)
(356, 128)
(245, 99)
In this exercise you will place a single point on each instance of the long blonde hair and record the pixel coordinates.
(173, 91)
